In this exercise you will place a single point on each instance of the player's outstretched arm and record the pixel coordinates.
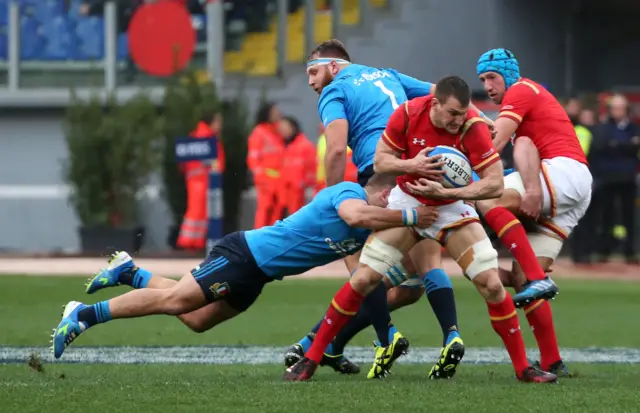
(357, 213)
(335, 160)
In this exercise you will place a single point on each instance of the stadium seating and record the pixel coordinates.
(54, 30)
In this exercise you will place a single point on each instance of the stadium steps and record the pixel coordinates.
(258, 55)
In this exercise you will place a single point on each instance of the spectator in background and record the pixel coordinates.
(298, 167)
(614, 165)
(582, 236)
(193, 231)
(573, 109)
(266, 149)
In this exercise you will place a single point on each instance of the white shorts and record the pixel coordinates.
(566, 187)
(451, 216)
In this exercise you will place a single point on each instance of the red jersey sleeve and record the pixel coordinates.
(518, 101)
(477, 144)
(395, 134)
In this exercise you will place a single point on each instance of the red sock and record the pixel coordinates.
(344, 306)
(514, 237)
(505, 322)
(541, 321)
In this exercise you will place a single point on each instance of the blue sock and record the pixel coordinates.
(451, 336)
(392, 331)
(95, 314)
(141, 278)
(329, 350)
(439, 292)
(305, 343)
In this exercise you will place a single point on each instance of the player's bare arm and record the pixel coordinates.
(527, 161)
(358, 213)
(504, 130)
(388, 161)
(335, 160)
(490, 185)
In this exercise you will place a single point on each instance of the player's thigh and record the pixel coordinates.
(208, 316)
(426, 255)
(230, 274)
(510, 199)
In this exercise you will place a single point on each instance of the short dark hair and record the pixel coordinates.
(331, 48)
(453, 86)
(263, 112)
(208, 116)
(295, 125)
(381, 181)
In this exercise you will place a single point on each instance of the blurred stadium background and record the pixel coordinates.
(53, 52)
(575, 48)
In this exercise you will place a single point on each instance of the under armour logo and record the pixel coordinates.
(514, 330)
(417, 141)
(466, 214)
(512, 246)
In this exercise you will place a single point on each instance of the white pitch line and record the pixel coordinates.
(274, 355)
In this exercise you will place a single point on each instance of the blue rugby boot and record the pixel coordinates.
(120, 263)
(450, 356)
(544, 289)
(69, 328)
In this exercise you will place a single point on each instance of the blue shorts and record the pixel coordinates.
(230, 273)
(365, 175)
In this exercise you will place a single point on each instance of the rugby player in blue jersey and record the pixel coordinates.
(355, 104)
(335, 224)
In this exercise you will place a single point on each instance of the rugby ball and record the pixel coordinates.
(457, 169)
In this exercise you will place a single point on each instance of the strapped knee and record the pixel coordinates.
(380, 257)
(478, 258)
(545, 245)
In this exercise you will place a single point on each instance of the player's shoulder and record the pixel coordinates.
(346, 187)
(416, 106)
(525, 86)
(332, 90)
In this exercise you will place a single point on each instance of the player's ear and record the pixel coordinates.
(434, 101)
(384, 195)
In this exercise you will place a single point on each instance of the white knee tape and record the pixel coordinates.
(380, 256)
(485, 257)
(544, 245)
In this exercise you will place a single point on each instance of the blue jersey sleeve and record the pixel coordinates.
(413, 87)
(349, 191)
(331, 105)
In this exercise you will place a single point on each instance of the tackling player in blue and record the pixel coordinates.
(355, 104)
(335, 224)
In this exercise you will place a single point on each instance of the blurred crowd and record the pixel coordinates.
(612, 144)
(287, 168)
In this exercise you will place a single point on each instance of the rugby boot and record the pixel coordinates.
(386, 356)
(119, 263)
(450, 356)
(303, 370)
(535, 375)
(293, 355)
(340, 364)
(68, 329)
(544, 289)
(558, 368)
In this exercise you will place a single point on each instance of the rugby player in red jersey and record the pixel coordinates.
(443, 118)
(552, 186)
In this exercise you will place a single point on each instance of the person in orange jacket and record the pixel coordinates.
(193, 231)
(350, 172)
(266, 148)
(298, 167)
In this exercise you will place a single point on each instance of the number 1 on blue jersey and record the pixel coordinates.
(392, 97)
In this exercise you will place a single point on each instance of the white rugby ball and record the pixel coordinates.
(457, 169)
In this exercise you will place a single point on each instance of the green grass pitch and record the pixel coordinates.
(588, 314)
